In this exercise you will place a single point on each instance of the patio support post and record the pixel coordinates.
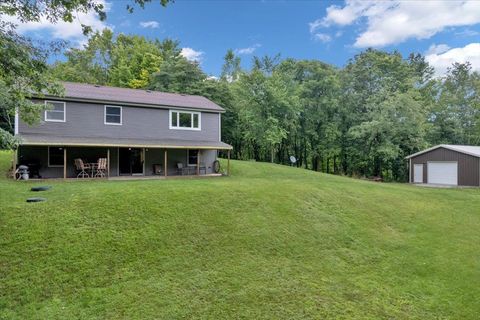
(14, 163)
(198, 163)
(228, 162)
(165, 164)
(108, 163)
(64, 163)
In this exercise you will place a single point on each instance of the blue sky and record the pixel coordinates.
(445, 31)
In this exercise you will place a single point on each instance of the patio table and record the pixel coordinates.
(93, 167)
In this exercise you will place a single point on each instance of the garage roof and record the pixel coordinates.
(470, 150)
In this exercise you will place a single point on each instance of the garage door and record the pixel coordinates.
(442, 173)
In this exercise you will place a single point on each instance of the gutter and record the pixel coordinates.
(120, 145)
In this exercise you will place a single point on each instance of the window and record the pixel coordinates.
(192, 157)
(185, 120)
(55, 111)
(113, 115)
(55, 157)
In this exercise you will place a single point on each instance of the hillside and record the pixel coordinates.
(269, 242)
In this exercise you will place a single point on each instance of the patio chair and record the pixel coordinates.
(80, 167)
(203, 168)
(181, 169)
(101, 168)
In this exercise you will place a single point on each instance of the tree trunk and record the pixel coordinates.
(305, 152)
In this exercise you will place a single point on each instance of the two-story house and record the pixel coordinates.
(139, 132)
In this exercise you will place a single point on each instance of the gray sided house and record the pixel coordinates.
(139, 132)
(446, 165)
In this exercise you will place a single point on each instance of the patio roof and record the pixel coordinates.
(52, 140)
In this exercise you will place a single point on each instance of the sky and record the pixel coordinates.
(333, 32)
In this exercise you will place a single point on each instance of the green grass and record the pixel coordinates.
(269, 242)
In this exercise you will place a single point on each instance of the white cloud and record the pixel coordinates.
(437, 49)
(467, 33)
(441, 61)
(248, 50)
(391, 22)
(150, 24)
(192, 55)
(63, 30)
(323, 37)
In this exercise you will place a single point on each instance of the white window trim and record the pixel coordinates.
(64, 111)
(53, 165)
(105, 116)
(177, 127)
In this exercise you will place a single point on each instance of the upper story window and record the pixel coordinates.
(55, 111)
(185, 120)
(113, 115)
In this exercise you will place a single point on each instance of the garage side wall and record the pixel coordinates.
(468, 166)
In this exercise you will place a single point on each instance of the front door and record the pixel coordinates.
(131, 161)
(418, 173)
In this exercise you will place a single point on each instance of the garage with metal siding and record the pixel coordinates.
(446, 165)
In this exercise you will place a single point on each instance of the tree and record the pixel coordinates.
(456, 116)
(122, 61)
(55, 10)
(23, 70)
(90, 64)
(23, 66)
(231, 67)
(133, 60)
(371, 79)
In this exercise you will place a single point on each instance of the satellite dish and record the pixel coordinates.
(293, 160)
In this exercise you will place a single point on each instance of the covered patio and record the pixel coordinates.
(59, 157)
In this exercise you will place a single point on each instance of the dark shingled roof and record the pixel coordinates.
(84, 91)
(53, 140)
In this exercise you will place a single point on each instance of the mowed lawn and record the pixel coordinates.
(269, 242)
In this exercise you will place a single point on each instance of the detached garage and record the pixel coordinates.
(446, 164)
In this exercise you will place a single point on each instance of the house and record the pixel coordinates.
(446, 165)
(138, 132)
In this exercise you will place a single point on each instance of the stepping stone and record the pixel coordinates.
(36, 199)
(41, 188)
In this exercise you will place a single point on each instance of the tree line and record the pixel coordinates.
(358, 120)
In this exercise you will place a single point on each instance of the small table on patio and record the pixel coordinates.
(93, 167)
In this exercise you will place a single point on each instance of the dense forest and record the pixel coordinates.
(359, 120)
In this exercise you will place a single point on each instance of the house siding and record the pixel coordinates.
(468, 166)
(87, 120)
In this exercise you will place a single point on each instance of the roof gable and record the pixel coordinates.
(470, 150)
(90, 92)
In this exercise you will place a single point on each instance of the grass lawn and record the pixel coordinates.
(269, 242)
